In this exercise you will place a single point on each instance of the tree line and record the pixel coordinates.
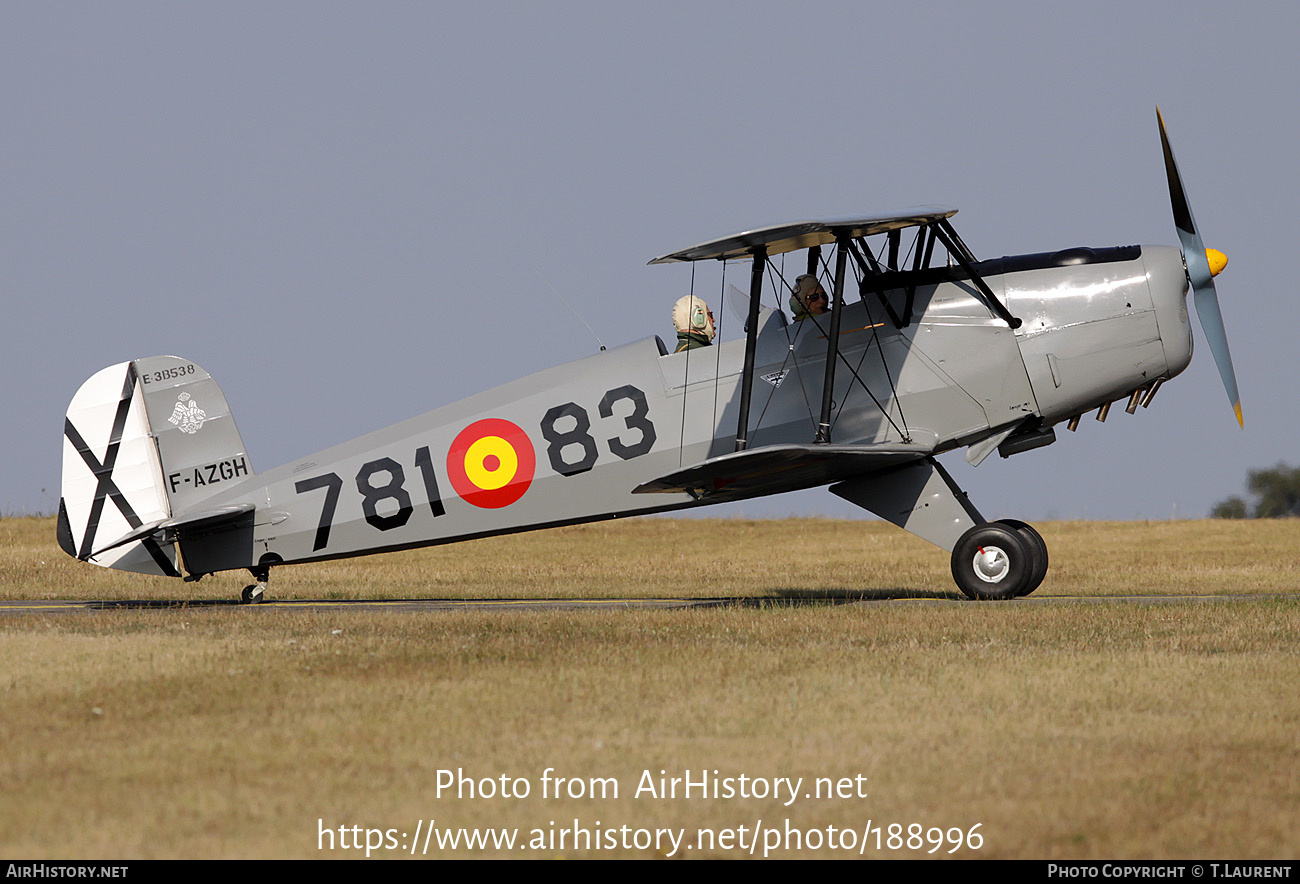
(1274, 492)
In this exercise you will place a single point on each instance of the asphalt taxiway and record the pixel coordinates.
(791, 599)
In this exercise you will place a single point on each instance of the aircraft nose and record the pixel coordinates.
(1217, 261)
(1169, 287)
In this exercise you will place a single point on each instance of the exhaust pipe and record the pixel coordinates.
(1151, 394)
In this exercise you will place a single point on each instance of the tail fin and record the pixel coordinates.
(143, 441)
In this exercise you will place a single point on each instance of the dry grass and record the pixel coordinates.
(675, 558)
(1067, 730)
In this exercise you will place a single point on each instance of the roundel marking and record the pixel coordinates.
(491, 463)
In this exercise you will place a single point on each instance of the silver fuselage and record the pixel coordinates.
(1092, 331)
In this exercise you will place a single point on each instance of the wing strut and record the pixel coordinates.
(751, 345)
(869, 269)
(949, 238)
(833, 339)
(919, 260)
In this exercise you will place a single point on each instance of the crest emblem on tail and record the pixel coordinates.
(187, 416)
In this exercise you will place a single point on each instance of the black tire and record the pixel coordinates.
(250, 595)
(1037, 551)
(1003, 567)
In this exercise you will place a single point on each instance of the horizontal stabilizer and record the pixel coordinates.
(776, 468)
(187, 527)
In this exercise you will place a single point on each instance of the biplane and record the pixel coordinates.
(924, 349)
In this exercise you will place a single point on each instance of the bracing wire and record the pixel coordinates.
(875, 335)
(858, 378)
(778, 286)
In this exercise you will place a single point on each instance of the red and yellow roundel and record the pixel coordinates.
(491, 463)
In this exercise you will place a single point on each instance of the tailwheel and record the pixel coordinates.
(255, 593)
(1037, 552)
(994, 561)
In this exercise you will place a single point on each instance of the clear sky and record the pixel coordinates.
(349, 212)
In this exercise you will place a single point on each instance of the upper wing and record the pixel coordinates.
(776, 468)
(802, 234)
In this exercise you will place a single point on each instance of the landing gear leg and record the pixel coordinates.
(254, 593)
(990, 560)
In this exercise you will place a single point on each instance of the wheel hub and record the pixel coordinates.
(991, 564)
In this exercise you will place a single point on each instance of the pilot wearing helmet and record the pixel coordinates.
(694, 323)
(809, 298)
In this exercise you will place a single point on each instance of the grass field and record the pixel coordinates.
(1072, 729)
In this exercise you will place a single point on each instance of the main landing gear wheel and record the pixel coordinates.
(994, 561)
(1037, 552)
